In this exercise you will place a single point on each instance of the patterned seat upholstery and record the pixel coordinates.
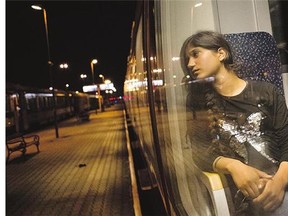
(257, 55)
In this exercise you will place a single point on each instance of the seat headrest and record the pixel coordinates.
(258, 56)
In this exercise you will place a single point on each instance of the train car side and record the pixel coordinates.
(28, 108)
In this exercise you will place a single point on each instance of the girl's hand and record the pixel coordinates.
(274, 191)
(271, 197)
(247, 178)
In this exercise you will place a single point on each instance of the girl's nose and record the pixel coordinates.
(191, 63)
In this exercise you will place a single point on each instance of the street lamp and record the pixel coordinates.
(83, 76)
(107, 81)
(93, 62)
(101, 76)
(64, 66)
(67, 85)
(38, 7)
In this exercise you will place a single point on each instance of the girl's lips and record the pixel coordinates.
(195, 71)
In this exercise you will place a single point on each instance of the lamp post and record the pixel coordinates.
(93, 62)
(63, 67)
(37, 7)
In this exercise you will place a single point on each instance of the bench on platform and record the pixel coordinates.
(21, 143)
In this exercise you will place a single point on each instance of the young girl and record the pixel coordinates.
(249, 126)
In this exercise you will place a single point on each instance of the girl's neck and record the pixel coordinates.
(229, 84)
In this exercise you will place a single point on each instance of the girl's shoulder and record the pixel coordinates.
(261, 86)
(262, 92)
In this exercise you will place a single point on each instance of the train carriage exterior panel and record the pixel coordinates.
(28, 108)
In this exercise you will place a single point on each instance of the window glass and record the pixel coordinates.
(175, 25)
(180, 102)
(180, 106)
(279, 19)
(136, 88)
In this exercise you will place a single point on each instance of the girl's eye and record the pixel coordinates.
(194, 53)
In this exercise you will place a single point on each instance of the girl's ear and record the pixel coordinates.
(222, 54)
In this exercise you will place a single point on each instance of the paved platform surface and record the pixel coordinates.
(83, 172)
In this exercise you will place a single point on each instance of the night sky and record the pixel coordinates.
(79, 31)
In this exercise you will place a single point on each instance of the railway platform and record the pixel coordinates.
(83, 172)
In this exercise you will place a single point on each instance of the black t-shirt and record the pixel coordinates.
(250, 127)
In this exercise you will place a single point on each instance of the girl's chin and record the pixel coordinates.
(200, 77)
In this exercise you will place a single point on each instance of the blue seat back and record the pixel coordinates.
(257, 55)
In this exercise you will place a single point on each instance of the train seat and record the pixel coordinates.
(258, 56)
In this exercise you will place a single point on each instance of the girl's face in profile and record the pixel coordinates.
(203, 62)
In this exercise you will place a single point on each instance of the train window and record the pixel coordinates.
(41, 103)
(32, 104)
(279, 21)
(139, 91)
(12, 110)
(179, 104)
(10, 102)
(50, 102)
(45, 103)
(61, 103)
(183, 125)
(178, 107)
(31, 101)
(190, 197)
